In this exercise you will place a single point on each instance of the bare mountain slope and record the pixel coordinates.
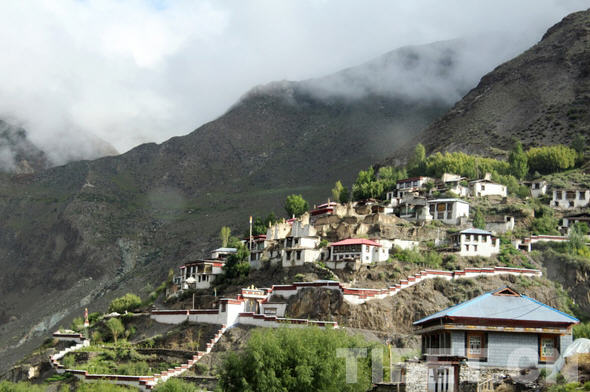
(539, 97)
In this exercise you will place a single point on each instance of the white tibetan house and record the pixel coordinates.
(367, 251)
(476, 242)
(449, 211)
(570, 198)
(538, 188)
(486, 187)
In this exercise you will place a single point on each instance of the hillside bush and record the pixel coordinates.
(176, 385)
(545, 222)
(472, 166)
(296, 360)
(582, 330)
(129, 302)
(7, 386)
(550, 159)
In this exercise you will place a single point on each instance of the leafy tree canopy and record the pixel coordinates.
(295, 205)
(296, 360)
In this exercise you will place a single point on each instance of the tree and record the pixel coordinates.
(544, 222)
(577, 240)
(297, 360)
(260, 225)
(116, 327)
(518, 160)
(337, 191)
(295, 205)
(579, 144)
(479, 221)
(224, 235)
(128, 302)
(417, 160)
(551, 159)
(237, 264)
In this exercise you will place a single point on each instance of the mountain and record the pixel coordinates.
(76, 235)
(17, 153)
(540, 97)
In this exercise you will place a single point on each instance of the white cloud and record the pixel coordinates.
(132, 71)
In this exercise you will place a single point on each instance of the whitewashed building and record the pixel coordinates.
(476, 242)
(368, 251)
(450, 211)
(222, 253)
(569, 221)
(486, 187)
(202, 271)
(538, 188)
(452, 183)
(297, 251)
(411, 185)
(570, 198)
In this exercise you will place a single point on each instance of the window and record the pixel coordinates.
(483, 187)
(571, 203)
(298, 255)
(581, 195)
(558, 194)
(547, 348)
(475, 248)
(476, 345)
(467, 247)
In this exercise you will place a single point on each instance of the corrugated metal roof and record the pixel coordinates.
(447, 201)
(476, 231)
(228, 250)
(490, 306)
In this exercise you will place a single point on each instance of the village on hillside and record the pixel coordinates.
(362, 249)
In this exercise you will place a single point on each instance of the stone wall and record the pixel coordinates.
(416, 376)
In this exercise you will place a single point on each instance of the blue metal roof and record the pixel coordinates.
(490, 306)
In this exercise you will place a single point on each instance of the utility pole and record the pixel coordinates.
(250, 238)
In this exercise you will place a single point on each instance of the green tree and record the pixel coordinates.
(551, 159)
(295, 205)
(479, 219)
(577, 240)
(128, 302)
(116, 327)
(337, 191)
(296, 360)
(416, 163)
(518, 160)
(579, 144)
(544, 222)
(224, 235)
(260, 225)
(237, 264)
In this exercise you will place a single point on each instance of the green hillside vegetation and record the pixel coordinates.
(298, 360)
(521, 165)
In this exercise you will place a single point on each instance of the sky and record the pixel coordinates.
(74, 72)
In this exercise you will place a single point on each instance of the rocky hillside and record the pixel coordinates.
(76, 235)
(539, 97)
(17, 153)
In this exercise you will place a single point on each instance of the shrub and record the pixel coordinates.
(116, 327)
(288, 359)
(128, 302)
(7, 386)
(237, 264)
(176, 385)
(582, 330)
(550, 159)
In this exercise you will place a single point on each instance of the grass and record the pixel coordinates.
(116, 360)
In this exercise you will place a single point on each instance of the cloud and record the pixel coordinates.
(132, 71)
